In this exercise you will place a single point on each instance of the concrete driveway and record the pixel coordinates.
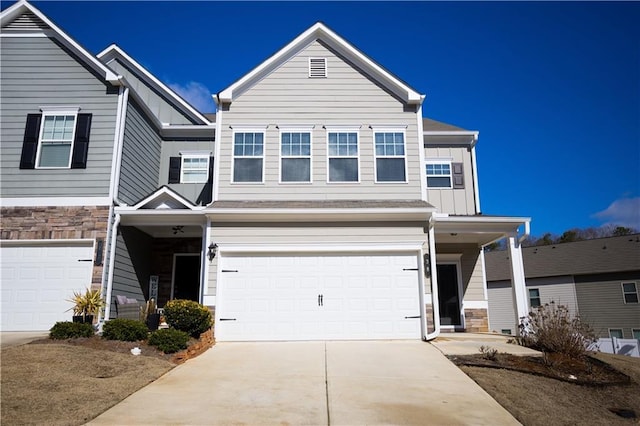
(17, 338)
(312, 383)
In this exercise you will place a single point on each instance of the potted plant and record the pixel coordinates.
(86, 305)
(150, 315)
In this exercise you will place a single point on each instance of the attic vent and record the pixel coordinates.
(317, 67)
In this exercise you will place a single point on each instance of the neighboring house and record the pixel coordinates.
(317, 203)
(597, 279)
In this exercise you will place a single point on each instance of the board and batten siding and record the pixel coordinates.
(141, 150)
(263, 236)
(157, 104)
(453, 201)
(560, 290)
(602, 304)
(346, 96)
(37, 72)
(190, 191)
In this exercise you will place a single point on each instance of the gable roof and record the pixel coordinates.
(602, 255)
(17, 12)
(164, 198)
(431, 125)
(321, 32)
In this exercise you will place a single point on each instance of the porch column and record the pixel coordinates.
(518, 286)
(435, 300)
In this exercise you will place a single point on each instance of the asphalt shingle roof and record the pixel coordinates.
(429, 124)
(602, 255)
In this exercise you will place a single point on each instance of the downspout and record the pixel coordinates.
(474, 168)
(112, 253)
(118, 162)
(216, 157)
(204, 262)
(435, 307)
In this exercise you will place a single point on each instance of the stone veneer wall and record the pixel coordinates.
(57, 223)
(476, 320)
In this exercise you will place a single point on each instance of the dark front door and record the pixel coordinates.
(186, 277)
(448, 295)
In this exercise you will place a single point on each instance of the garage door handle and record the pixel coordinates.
(229, 270)
(320, 302)
(85, 260)
(417, 316)
(227, 319)
(409, 269)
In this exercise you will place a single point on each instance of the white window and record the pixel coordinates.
(630, 292)
(343, 155)
(55, 144)
(438, 174)
(616, 332)
(295, 155)
(317, 67)
(390, 156)
(195, 169)
(248, 157)
(534, 297)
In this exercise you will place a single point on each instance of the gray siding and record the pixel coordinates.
(453, 201)
(37, 72)
(140, 157)
(560, 290)
(132, 265)
(288, 96)
(162, 109)
(602, 305)
(191, 191)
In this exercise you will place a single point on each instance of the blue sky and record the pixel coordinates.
(553, 88)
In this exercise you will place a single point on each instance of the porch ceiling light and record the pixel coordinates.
(211, 253)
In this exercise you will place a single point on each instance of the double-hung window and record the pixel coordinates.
(630, 292)
(534, 297)
(390, 155)
(295, 155)
(56, 139)
(248, 156)
(438, 174)
(195, 169)
(343, 154)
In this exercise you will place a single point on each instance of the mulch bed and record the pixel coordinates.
(587, 371)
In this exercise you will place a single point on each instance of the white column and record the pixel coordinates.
(520, 304)
(435, 305)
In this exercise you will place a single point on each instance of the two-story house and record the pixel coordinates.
(317, 203)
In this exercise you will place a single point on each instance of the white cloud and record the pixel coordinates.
(196, 94)
(622, 212)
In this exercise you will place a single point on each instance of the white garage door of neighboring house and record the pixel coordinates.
(318, 297)
(37, 280)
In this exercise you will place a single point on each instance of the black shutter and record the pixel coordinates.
(210, 178)
(30, 141)
(81, 143)
(458, 175)
(174, 169)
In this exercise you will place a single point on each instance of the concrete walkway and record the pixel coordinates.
(470, 343)
(312, 383)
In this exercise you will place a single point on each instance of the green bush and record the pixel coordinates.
(169, 340)
(124, 329)
(70, 330)
(189, 316)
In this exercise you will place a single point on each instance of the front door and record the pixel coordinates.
(449, 295)
(186, 277)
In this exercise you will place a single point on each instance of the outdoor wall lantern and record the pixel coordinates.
(211, 254)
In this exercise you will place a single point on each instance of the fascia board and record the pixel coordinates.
(321, 32)
(115, 52)
(480, 224)
(22, 6)
(160, 192)
(205, 131)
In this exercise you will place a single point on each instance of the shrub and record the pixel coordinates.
(169, 340)
(189, 316)
(489, 353)
(124, 329)
(552, 328)
(70, 330)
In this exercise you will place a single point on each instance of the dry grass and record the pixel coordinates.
(536, 400)
(59, 384)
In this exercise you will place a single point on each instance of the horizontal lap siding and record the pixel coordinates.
(37, 72)
(501, 313)
(453, 201)
(346, 97)
(141, 147)
(472, 281)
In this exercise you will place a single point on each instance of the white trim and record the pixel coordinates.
(337, 130)
(113, 239)
(184, 156)
(296, 127)
(301, 130)
(439, 162)
(249, 128)
(162, 191)
(9, 14)
(55, 202)
(421, 156)
(114, 51)
(118, 142)
(204, 264)
(456, 260)
(56, 112)
(452, 133)
(433, 278)
(41, 34)
(474, 170)
(244, 130)
(613, 337)
(475, 304)
(484, 275)
(384, 130)
(624, 299)
(173, 273)
(324, 247)
(342, 128)
(60, 109)
(77, 242)
(216, 157)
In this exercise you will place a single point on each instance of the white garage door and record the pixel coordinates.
(37, 280)
(318, 298)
